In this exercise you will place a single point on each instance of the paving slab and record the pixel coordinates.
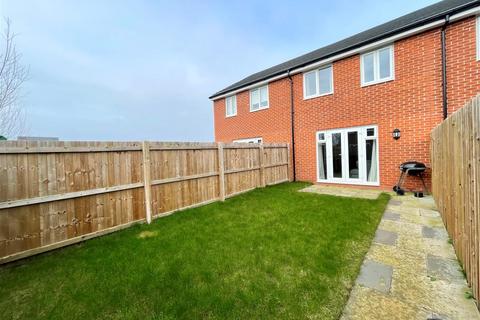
(445, 269)
(376, 276)
(395, 202)
(385, 237)
(417, 278)
(389, 215)
(434, 233)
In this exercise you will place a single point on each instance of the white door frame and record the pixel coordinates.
(361, 143)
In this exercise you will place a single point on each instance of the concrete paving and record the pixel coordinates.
(389, 215)
(385, 237)
(434, 233)
(376, 276)
(410, 270)
(343, 192)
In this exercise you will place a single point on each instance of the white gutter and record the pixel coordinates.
(465, 14)
(371, 46)
(256, 84)
(389, 40)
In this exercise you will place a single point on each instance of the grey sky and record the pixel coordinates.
(133, 70)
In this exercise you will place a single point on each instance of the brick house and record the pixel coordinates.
(339, 105)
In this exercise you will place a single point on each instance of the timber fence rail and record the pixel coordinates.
(455, 156)
(55, 193)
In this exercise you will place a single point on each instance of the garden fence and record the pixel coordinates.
(455, 153)
(53, 194)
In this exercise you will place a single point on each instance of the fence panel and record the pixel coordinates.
(54, 193)
(455, 156)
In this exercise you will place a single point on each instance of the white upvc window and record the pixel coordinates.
(259, 98)
(231, 106)
(478, 38)
(249, 140)
(318, 82)
(377, 66)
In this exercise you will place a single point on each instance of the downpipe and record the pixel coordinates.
(444, 67)
(292, 119)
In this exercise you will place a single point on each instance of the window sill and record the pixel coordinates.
(318, 96)
(376, 82)
(231, 116)
(260, 109)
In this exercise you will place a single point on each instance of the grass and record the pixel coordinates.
(271, 253)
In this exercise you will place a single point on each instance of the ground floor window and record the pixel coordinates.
(249, 140)
(348, 155)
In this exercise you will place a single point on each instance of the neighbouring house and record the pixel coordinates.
(339, 106)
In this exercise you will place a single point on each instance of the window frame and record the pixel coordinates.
(376, 66)
(375, 133)
(317, 83)
(233, 99)
(259, 98)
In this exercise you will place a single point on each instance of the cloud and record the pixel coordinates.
(126, 70)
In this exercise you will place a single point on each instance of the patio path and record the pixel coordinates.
(410, 271)
(343, 191)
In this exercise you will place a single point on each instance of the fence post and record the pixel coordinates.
(147, 181)
(289, 166)
(221, 172)
(262, 165)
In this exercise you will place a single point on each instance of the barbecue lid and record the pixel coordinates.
(412, 165)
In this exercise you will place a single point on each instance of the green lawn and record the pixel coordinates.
(271, 253)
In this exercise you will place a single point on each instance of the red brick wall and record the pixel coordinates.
(463, 73)
(412, 103)
(273, 124)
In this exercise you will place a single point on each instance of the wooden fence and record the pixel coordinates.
(455, 155)
(54, 194)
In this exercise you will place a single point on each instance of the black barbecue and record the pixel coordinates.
(411, 168)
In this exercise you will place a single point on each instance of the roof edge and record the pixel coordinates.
(455, 13)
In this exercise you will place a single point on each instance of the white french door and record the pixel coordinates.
(348, 156)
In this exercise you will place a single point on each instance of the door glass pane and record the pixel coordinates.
(353, 155)
(322, 161)
(337, 154)
(368, 68)
(372, 165)
(384, 57)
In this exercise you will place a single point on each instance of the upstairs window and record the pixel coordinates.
(259, 98)
(377, 66)
(318, 82)
(231, 106)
